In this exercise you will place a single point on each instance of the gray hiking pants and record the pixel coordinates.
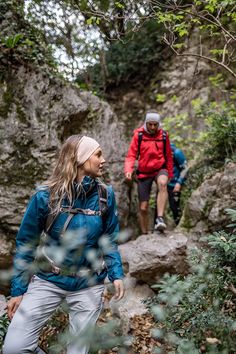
(38, 304)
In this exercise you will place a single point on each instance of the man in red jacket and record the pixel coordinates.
(150, 145)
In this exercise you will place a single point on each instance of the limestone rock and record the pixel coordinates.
(5, 254)
(3, 303)
(150, 256)
(132, 302)
(205, 209)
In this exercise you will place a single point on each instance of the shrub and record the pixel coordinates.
(20, 41)
(198, 311)
(127, 60)
(4, 322)
(219, 138)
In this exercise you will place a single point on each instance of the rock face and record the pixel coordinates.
(176, 81)
(150, 256)
(205, 209)
(3, 304)
(40, 113)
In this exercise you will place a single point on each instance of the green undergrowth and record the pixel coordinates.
(196, 313)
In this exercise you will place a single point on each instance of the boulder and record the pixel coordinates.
(205, 210)
(132, 303)
(150, 256)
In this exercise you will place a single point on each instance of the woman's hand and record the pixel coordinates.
(13, 305)
(119, 289)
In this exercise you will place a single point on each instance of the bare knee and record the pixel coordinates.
(162, 187)
(162, 182)
(143, 207)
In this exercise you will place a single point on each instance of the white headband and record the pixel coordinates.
(87, 146)
(152, 117)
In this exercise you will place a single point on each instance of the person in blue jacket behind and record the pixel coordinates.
(78, 252)
(175, 184)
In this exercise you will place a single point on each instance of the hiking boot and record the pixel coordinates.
(160, 224)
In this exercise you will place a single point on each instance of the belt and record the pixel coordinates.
(87, 273)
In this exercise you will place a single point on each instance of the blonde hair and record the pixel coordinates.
(65, 172)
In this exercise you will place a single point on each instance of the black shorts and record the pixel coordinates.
(145, 185)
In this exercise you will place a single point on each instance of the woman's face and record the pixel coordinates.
(94, 165)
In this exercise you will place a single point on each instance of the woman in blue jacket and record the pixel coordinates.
(78, 215)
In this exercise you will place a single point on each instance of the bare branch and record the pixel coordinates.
(232, 288)
(204, 57)
(224, 50)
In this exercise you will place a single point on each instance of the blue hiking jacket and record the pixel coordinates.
(79, 249)
(180, 166)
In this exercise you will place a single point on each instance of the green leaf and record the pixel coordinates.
(198, 2)
(179, 45)
(119, 5)
(181, 29)
(218, 52)
(90, 20)
(160, 98)
(12, 41)
(216, 80)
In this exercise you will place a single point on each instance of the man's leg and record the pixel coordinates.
(144, 190)
(85, 306)
(37, 305)
(174, 202)
(162, 196)
(143, 216)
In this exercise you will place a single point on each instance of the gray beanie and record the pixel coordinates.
(152, 117)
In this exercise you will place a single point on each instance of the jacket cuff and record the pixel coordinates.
(181, 181)
(18, 291)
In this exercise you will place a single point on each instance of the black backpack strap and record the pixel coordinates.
(164, 143)
(102, 198)
(68, 219)
(50, 220)
(140, 137)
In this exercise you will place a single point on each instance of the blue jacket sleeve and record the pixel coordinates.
(182, 164)
(27, 241)
(111, 254)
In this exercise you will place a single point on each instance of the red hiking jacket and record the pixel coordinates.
(151, 157)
